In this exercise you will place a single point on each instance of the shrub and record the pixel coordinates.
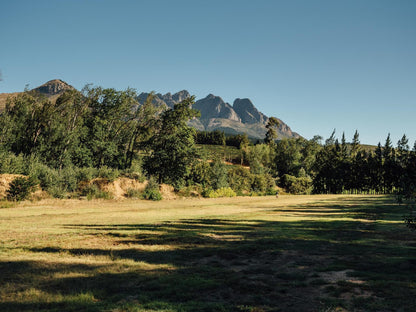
(20, 188)
(221, 192)
(93, 191)
(133, 193)
(10, 163)
(68, 179)
(47, 177)
(258, 183)
(219, 174)
(239, 179)
(57, 191)
(108, 173)
(190, 191)
(135, 171)
(86, 174)
(151, 192)
(294, 185)
(201, 173)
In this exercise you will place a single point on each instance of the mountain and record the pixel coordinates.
(214, 107)
(51, 89)
(216, 114)
(248, 112)
(167, 99)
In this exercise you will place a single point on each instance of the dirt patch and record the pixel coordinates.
(334, 277)
(119, 187)
(167, 191)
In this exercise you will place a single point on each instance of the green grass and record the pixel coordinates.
(295, 253)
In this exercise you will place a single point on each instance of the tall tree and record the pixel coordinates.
(271, 127)
(111, 123)
(355, 144)
(173, 145)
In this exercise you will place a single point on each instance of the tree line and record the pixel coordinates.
(105, 132)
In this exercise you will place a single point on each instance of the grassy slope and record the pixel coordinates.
(295, 253)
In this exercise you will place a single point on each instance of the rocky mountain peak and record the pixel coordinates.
(248, 112)
(214, 107)
(53, 87)
(180, 96)
(168, 99)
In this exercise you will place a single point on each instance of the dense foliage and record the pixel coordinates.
(104, 133)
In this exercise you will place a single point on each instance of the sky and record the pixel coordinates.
(317, 65)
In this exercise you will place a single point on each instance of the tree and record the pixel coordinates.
(62, 139)
(172, 145)
(355, 145)
(389, 165)
(111, 123)
(271, 127)
(219, 174)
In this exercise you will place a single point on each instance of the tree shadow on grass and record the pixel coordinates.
(231, 265)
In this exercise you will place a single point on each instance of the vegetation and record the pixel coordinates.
(20, 188)
(107, 133)
(296, 253)
(152, 190)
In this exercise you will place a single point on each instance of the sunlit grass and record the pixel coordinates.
(295, 253)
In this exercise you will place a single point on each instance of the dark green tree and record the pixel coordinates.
(173, 145)
(111, 123)
(271, 133)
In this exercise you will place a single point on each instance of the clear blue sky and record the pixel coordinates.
(317, 65)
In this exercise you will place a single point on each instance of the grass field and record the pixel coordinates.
(295, 253)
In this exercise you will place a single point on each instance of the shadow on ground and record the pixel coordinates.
(357, 264)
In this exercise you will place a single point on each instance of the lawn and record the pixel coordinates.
(295, 253)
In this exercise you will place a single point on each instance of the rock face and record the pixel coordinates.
(53, 87)
(216, 114)
(167, 99)
(52, 90)
(248, 112)
(214, 107)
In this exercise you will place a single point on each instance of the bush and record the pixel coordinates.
(294, 185)
(46, 177)
(151, 192)
(133, 193)
(221, 192)
(262, 182)
(20, 188)
(135, 171)
(10, 163)
(201, 173)
(93, 191)
(219, 174)
(86, 174)
(68, 179)
(108, 173)
(190, 191)
(57, 191)
(239, 179)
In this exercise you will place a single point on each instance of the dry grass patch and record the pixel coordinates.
(295, 253)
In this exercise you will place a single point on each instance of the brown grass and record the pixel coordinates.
(294, 253)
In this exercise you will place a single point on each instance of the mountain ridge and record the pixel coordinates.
(216, 114)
